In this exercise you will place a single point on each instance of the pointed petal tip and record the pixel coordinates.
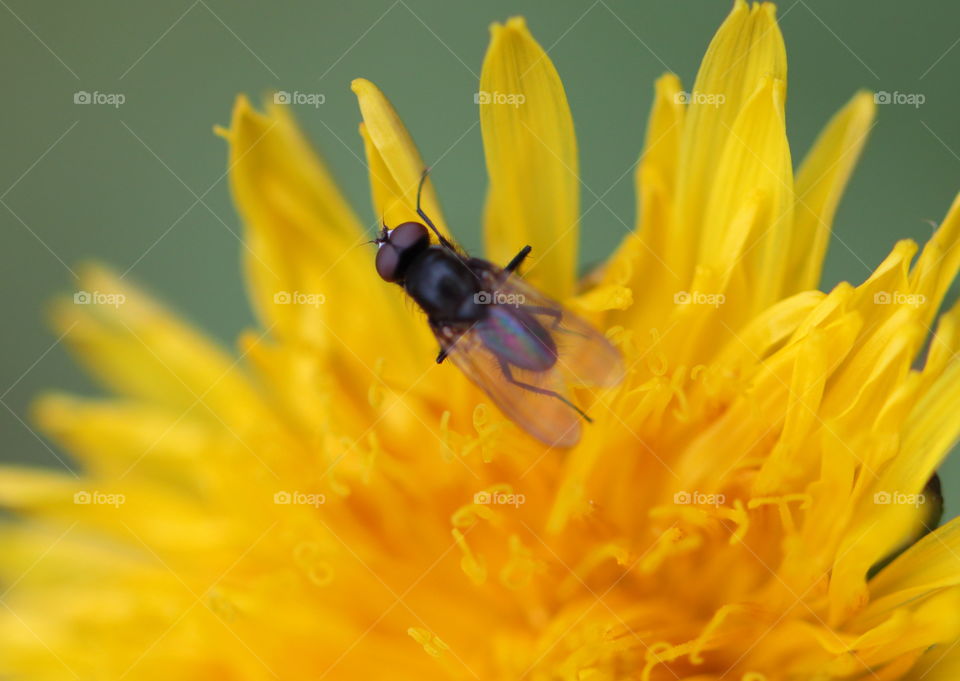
(361, 86)
(667, 80)
(47, 410)
(240, 104)
(867, 99)
(863, 107)
(95, 274)
(243, 112)
(515, 24)
(769, 8)
(241, 107)
(63, 310)
(372, 101)
(765, 13)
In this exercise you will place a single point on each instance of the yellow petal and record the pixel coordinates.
(944, 345)
(788, 459)
(175, 366)
(642, 253)
(879, 365)
(297, 223)
(747, 49)
(941, 256)
(931, 564)
(755, 158)
(931, 429)
(656, 176)
(307, 260)
(768, 330)
(820, 183)
(119, 438)
(934, 620)
(531, 152)
(388, 200)
(940, 663)
(664, 131)
(720, 276)
(751, 418)
(641, 262)
(399, 166)
(27, 488)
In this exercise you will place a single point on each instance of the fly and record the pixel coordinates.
(523, 349)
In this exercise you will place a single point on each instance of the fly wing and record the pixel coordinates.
(584, 356)
(544, 416)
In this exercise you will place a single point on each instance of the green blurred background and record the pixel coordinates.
(121, 184)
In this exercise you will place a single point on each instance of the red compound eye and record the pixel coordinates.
(387, 261)
(400, 243)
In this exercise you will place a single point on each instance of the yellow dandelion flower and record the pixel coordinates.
(330, 504)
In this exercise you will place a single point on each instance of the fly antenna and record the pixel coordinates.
(383, 232)
(443, 240)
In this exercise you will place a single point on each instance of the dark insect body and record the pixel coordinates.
(523, 349)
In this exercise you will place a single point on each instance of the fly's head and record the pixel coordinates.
(397, 247)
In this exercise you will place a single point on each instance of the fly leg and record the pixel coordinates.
(513, 264)
(443, 240)
(448, 335)
(505, 368)
(550, 312)
(517, 259)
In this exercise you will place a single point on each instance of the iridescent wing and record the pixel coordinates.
(585, 356)
(537, 400)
